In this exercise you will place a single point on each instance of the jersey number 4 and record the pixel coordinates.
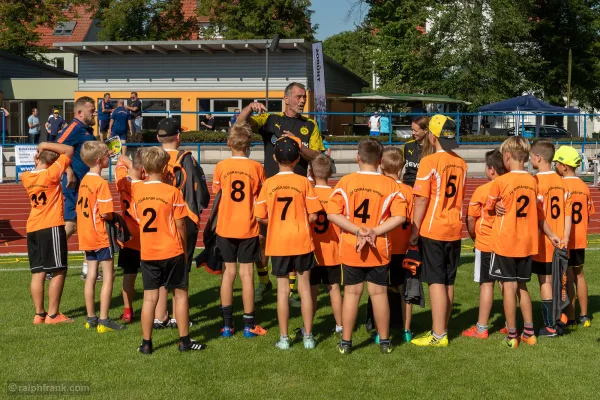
(362, 211)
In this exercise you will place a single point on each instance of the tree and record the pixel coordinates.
(19, 20)
(353, 50)
(123, 20)
(258, 19)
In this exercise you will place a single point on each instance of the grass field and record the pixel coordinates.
(253, 368)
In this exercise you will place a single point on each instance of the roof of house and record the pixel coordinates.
(37, 65)
(83, 19)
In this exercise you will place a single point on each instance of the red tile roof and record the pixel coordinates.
(83, 24)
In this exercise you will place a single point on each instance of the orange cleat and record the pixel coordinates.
(59, 319)
(38, 319)
(531, 340)
(256, 331)
(474, 333)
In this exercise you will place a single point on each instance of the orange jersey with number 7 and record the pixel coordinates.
(582, 208)
(240, 180)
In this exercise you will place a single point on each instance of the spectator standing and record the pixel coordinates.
(385, 125)
(374, 124)
(54, 124)
(136, 117)
(234, 117)
(209, 122)
(119, 122)
(105, 109)
(34, 126)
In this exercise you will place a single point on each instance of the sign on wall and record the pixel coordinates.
(24, 158)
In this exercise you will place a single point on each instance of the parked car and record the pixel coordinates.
(546, 131)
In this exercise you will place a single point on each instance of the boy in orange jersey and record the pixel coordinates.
(479, 225)
(46, 236)
(160, 211)
(326, 237)
(557, 208)
(366, 206)
(94, 207)
(566, 160)
(129, 173)
(288, 203)
(240, 180)
(515, 235)
(437, 224)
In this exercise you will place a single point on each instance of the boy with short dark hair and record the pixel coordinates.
(94, 207)
(46, 236)
(366, 206)
(556, 202)
(160, 210)
(566, 159)
(479, 225)
(288, 204)
(239, 179)
(129, 173)
(515, 236)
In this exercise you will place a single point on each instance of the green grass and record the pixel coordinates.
(243, 368)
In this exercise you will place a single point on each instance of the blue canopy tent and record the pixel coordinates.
(527, 103)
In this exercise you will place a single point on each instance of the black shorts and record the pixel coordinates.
(482, 266)
(171, 273)
(576, 257)
(239, 250)
(397, 274)
(510, 269)
(439, 260)
(541, 268)
(191, 231)
(104, 124)
(262, 230)
(325, 275)
(282, 265)
(355, 275)
(129, 260)
(47, 249)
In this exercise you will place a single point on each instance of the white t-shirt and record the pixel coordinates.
(374, 120)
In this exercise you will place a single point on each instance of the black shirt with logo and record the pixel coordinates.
(412, 157)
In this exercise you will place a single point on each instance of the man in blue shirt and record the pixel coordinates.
(119, 122)
(234, 117)
(34, 126)
(79, 131)
(54, 124)
(104, 111)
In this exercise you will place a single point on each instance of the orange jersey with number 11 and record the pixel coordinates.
(94, 199)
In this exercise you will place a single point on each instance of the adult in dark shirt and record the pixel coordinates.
(208, 123)
(135, 109)
(119, 124)
(104, 110)
(414, 150)
(54, 124)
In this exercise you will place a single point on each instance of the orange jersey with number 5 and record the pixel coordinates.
(582, 207)
(240, 180)
(94, 199)
(326, 235)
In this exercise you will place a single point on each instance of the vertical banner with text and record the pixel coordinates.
(319, 83)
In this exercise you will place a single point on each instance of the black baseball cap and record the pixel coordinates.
(287, 149)
(168, 127)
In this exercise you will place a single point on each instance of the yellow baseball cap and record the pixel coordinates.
(444, 128)
(567, 155)
(56, 111)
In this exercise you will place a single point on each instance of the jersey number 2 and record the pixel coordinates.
(147, 227)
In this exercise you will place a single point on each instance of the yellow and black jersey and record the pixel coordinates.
(271, 127)
(412, 156)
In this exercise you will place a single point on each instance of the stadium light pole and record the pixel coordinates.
(268, 48)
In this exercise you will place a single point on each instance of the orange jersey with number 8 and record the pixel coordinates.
(582, 208)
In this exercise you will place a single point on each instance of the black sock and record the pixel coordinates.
(185, 340)
(249, 320)
(346, 343)
(42, 314)
(53, 316)
(227, 315)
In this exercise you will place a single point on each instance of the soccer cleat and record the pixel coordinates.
(474, 333)
(91, 323)
(126, 318)
(226, 332)
(260, 291)
(309, 342)
(406, 336)
(504, 330)
(429, 340)
(192, 346)
(253, 332)
(283, 343)
(158, 324)
(386, 347)
(109, 326)
(145, 348)
(48, 276)
(548, 332)
(299, 334)
(376, 338)
(344, 349)
(293, 301)
(59, 319)
(512, 343)
(531, 340)
(38, 319)
(585, 321)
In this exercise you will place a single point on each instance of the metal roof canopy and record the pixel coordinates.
(184, 46)
(399, 98)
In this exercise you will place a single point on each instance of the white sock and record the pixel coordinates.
(338, 329)
(84, 270)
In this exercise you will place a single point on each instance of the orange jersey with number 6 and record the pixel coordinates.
(582, 207)
(240, 180)
(94, 199)
(124, 184)
(326, 235)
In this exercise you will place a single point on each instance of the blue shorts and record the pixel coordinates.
(70, 196)
(374, 133)
(104, 125)
(99, 255)
(122, 136)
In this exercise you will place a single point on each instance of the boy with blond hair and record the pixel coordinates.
(94, 207)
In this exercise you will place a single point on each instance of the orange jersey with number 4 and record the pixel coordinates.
(483, 220)
(582, 207)
(556, 202)
(44, 192)
(515, 234)
(326, 235)
(124, 184)
(156, 207)
(401, 234)
(367, 199)
(240, 180)
(286, 199)
(94, 199)
(441, 178)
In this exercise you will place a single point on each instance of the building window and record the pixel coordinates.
(59, 62)
(223, 109)
(64, 28)
(153, 110)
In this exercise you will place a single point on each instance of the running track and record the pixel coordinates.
(14, 210)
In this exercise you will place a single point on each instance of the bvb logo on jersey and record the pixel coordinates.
(304, 130)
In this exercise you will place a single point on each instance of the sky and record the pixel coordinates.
(331, 15)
